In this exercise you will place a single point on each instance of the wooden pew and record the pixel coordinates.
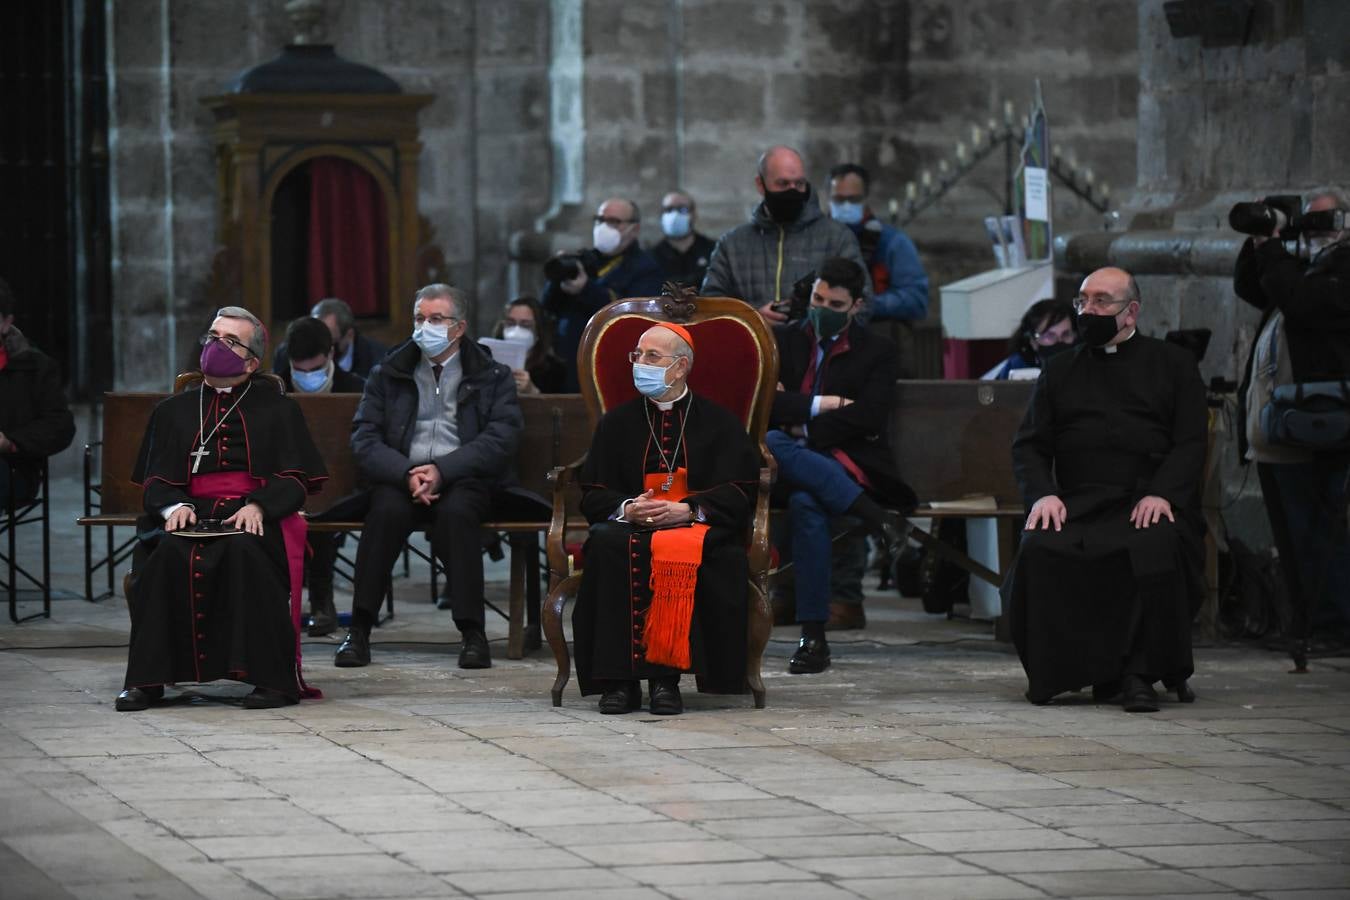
(952, 440)
(556, 432)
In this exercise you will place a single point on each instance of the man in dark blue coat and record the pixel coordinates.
(436, 430)
(615, 269)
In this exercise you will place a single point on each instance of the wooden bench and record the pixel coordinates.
(953, 440)
(556, 432)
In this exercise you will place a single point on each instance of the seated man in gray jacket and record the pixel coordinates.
(436, 431)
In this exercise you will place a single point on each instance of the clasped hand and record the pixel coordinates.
(644, 510)
(424, 483)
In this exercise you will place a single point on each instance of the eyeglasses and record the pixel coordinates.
(228, 341)
(612, 222)
(1050, 338)
(1097, 301)
(649, 357)
(420, 320)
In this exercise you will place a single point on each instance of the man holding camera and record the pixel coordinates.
(1304, 338)
(786, 238)
(580, 284)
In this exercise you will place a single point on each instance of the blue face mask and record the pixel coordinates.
(309, 382)
(675, 224)
(650, 380)
(846, 213)
(433, 339)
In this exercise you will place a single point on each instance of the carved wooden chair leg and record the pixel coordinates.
(553, 631)
(758, 627)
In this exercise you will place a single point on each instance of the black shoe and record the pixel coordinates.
(1183, 691)
(136, 699)
(1106, 692)
(323, 618)
(813, 655)
(266, 698)
(474, 652)
(665, 696)
(1137, 695)
(354, 651)
(621, 697)
(443, 602)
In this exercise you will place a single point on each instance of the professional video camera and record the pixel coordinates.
(566, 266)
(1263, 218)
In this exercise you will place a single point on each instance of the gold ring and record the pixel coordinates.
(650, 520)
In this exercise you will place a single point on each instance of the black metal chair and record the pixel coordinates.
(29, 512)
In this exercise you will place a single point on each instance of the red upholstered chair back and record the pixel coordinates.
(735, 355)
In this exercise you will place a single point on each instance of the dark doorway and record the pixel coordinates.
(54, 233)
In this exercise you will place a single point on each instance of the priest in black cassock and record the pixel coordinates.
(669, 488)
(232, 461)
(1110, 459)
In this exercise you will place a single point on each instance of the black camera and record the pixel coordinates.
(795, 306)
(566, 266)
(1263, 217)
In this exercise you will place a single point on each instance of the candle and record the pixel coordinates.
(1008, 112)
(976, 137)
(943, 167)
(894, 207)
(961, 152)
(1087, 177)
(911, 191)
(926, 179)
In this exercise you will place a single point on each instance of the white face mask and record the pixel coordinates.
(518, 334)
(606, 238)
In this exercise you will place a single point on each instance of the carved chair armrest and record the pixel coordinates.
(760, 554)
(561, 477)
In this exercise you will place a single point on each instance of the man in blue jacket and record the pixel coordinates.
(616, 267)
(899, 283)
(436, 430)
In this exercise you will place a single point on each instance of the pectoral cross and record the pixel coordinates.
(198, 454)
(670, 480)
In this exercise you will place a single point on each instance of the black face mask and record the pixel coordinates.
(1043, 354)
(1096, 331)
(784, 206)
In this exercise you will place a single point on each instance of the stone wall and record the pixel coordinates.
(544, 107)
(484, 168)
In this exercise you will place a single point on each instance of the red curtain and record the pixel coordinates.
(348, 237)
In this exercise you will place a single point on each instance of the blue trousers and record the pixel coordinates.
(819, 489)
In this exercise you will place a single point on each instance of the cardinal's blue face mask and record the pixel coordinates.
(650, 380)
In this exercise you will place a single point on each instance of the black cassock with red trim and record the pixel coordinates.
(210, 608)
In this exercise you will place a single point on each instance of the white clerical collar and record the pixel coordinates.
(665, 405)
(221, 390)
(1112, 348)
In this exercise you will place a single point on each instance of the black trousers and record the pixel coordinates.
(454, 519)
(323, 547)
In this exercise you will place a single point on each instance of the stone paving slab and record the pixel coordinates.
(913, 767)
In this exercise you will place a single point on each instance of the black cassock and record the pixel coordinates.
(1101, 598)
(203, 609)
(615, 594)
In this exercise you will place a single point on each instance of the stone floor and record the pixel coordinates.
(913, 767)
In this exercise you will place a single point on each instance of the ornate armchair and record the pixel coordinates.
(737, 366)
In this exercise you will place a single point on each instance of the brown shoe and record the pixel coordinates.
(845, 616)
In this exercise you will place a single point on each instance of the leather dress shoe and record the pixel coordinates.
(323, 618)
(1106, 691)
(354, 651)
(1137, 695)
(136, 699)
(665, 697)
(812, 655)
(621, 697)
(474, 652)
(1183, 691)
(846, 616)
(266, 698)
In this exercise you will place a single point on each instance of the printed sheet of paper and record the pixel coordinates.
(1037, 195)
(508, 353)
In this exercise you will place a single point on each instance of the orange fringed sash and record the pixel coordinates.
(676, 556)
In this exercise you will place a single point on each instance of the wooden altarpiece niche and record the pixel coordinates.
(311, 109)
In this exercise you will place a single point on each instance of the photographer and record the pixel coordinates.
(1305, 307)
(579, 284)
